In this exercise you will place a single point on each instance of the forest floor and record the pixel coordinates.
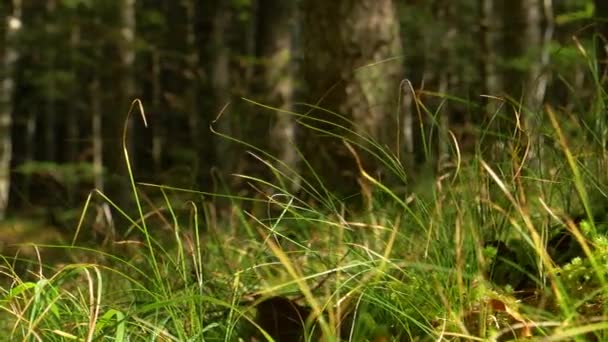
(462, 261)
(480, 250)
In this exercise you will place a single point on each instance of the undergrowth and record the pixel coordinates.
(487, 250)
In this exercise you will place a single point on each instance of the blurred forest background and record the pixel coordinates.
(409, 74)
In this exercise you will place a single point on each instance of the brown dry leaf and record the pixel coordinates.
(381, 338)
(526, 331)
(499, 305)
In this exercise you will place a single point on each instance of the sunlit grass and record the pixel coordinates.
(415, 265)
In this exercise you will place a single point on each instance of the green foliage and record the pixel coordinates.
(404, 271)
(74, 4)
(243, 9)
(584, 10)
(579, 276)
(63, 173)
(407, 264)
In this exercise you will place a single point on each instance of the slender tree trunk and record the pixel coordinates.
(114, 118)
(220, 83)
(104, 222)
(127, 58)
(193, 90)
(127, 46)
(409, 118)
(513, 30)
(489, 38)
(275, 81)
(158, 130)
(448, 75)
(31, 131)
(97, 134)
(50, 115)
(72, 122)
(537, 76)
(198, 120)
(347, 49)
(532, 37)
(11, 54)
(523, 41)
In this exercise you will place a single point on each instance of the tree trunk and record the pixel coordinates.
(114, 118)
(533, 37)
(537, 76)
(448, 76)
(489, 38)
(220, 83)
(347, 49)
(97, 134)
(193, 89)
(158, 129)
(50, 88)
(275, 80)
(72, 122)
(11, 54)
(524, 47)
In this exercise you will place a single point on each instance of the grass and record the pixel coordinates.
(469, 254)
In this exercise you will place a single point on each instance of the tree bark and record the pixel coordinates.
(50, 88)
(448, 78)
(193, 89)
(533, 37)
(158, 129)
(537, 76)
(97, 134)
(525, 48)
(489, 38)
(220, 83)
(275, 80)
(11, 54)
(347, 48)
(114, 117)
(72, 122)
